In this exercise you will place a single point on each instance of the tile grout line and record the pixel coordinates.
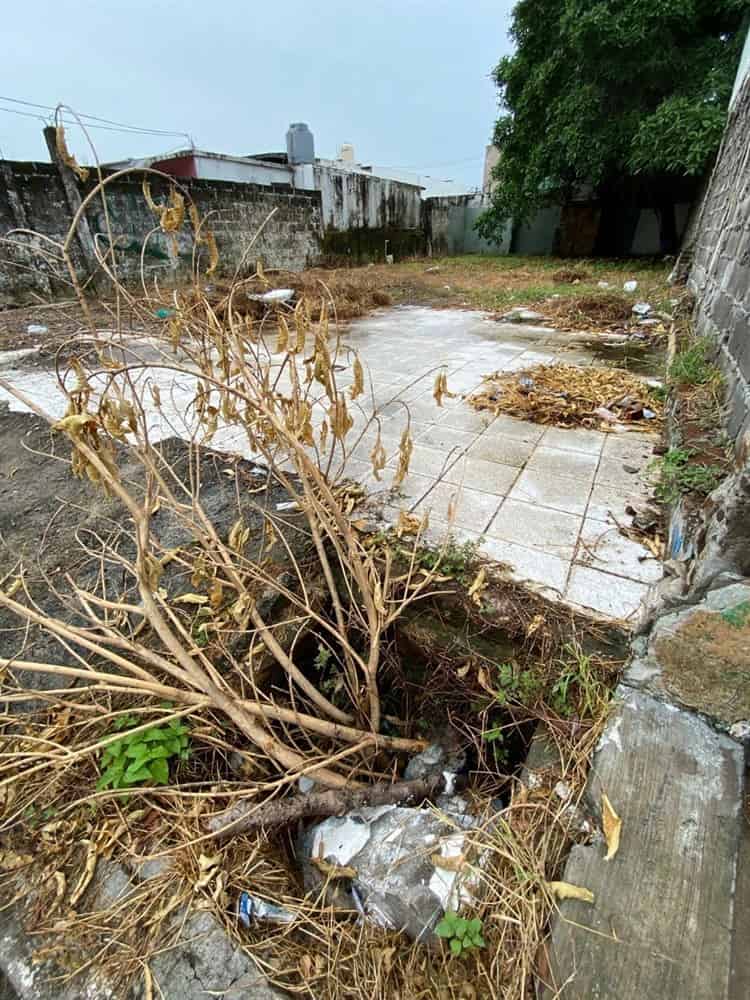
(572, 562)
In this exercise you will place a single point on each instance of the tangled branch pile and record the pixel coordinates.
(232, 656)
(570, 396)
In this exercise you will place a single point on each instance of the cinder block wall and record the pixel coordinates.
(32, 198)
(720, 274)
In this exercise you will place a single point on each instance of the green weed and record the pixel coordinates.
(693, 367)
(462, 935)
(738, 616)
(456, 559)
(143, 757)
(577, 688)
(677, 475)
(516, 685)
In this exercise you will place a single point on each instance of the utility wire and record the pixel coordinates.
(106, 123)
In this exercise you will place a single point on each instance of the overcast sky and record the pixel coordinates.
(406, 81)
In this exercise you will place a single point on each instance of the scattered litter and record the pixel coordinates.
(411, 864)
(287, 505)
(431, 270)
(163, 313)
(251, 908)
(630, 286)
(604, 414)
(642, 309)
(275, 295)
(36, 329)
(305, 784)
(603, 284)
(570, 396)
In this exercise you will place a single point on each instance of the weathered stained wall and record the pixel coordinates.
(449, 226)
(366, 217)
(32, 197)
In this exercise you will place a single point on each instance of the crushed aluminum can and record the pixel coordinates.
(251, 908)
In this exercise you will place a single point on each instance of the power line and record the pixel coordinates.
(106, 123)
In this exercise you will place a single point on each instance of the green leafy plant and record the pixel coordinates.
(515, 684)
(496, 738)
(462, 935)
(142, 758)
(455, 559)
(677, 474)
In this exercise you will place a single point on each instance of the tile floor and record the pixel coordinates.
(543, 500)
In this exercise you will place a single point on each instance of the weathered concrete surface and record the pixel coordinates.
(661, 924)
(197, 960)
(699, 656)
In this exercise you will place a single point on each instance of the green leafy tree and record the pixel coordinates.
(625, 98)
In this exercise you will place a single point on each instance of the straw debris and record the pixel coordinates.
(571, 396)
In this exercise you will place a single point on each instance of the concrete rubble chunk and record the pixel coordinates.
(664, 906)
(699, 656)
(521, 315)
(398, 885)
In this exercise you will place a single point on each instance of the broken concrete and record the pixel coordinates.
(661, 924)
(699, 656)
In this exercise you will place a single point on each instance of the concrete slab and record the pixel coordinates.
(663, 912)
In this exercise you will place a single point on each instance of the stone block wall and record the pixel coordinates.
(32, 198)
(720, 273)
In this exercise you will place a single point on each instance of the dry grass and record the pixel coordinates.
(589, 312)
(569, 396)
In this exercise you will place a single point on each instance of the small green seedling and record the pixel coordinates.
(142, 758)
(461, 934)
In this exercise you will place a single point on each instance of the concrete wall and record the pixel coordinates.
(449, 226)
(32, 197)
(720, 274)
(352, 200)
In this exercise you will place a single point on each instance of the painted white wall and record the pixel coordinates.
(229, 168)
(352, 199)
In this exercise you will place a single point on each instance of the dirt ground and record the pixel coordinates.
(567, 292)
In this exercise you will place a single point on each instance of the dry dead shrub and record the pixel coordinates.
(588, 312)
(137, 646)
(570, 275)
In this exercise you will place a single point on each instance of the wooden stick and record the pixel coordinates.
(246, 816)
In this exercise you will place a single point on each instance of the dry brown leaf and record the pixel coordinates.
(191, 599)
(11, 860)
(478, 586)
(612, 825)
(566, 890)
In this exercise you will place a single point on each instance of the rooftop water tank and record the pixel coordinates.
(300, 147)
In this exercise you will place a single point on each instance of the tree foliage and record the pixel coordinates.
(611, 94)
